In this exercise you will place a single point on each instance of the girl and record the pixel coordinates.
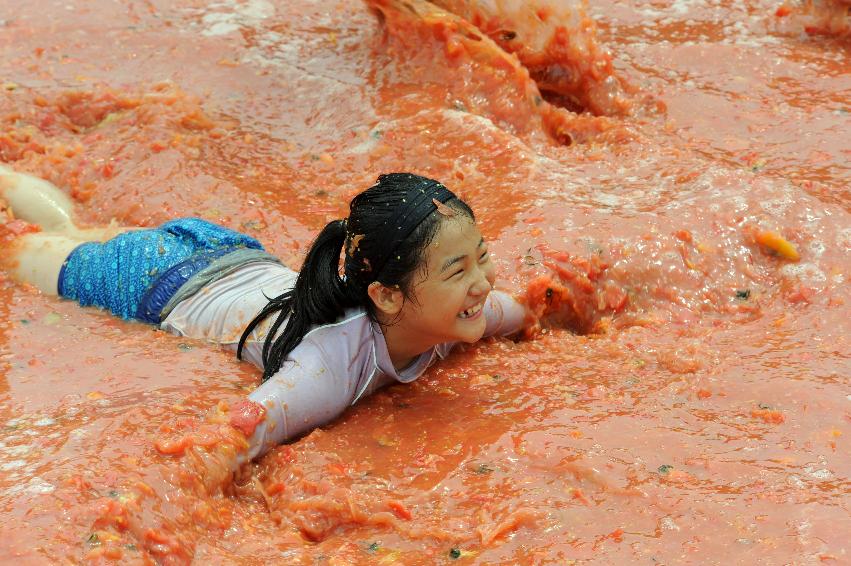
(417, 279)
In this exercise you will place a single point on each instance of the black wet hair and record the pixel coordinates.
(321, 295)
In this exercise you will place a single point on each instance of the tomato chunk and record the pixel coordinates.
(246, 415)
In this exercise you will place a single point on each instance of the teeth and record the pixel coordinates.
(471, 311)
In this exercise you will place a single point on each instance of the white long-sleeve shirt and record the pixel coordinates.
(333, 366)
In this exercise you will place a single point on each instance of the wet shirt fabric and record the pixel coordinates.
(333, 367)
(118, 274)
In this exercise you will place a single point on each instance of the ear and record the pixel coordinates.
(387, 300)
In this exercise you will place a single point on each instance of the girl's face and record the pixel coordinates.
(450, 295)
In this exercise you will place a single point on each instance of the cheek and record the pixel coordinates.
(453, 299)
(490, 272)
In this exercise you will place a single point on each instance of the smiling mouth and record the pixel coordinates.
(472, 311)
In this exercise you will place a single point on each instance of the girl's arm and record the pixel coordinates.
(308, 391)
(504, 315)
(311, 389)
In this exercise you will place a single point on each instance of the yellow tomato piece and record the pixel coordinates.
(778, 244)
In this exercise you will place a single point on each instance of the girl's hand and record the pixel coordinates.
(202, 459)
(570, 292)
(212, 449)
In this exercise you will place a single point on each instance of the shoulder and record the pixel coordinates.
(348, 342)
(354, 322)
(331, 357)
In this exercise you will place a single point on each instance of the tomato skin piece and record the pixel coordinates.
(18, 227)
(801, 294)
(337, 469)
(246, 415)
(579, 496)
(111, 513)
(616, 297)
(158, 537)
(769, 416)
(400, 510)
(684, 236)
(205, 438)
(173, 447)
(46, 122)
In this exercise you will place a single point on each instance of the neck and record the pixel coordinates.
(400, 345)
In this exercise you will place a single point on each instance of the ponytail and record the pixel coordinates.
(320, 296)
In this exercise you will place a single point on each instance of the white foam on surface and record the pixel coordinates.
(807, 272)
(12, 465)
(228, 17)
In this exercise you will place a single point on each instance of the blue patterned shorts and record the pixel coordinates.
(117, 274)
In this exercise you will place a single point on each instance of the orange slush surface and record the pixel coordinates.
(686, 402)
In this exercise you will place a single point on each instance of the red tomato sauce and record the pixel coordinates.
(685, 399)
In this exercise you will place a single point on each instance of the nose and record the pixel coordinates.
(482, 284)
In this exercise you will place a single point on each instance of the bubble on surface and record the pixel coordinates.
(819, 474)
(843, 239)
(19, 450)
(12, 465)
(39, 486)
(808, 272)
(816, 247)
(777, 207)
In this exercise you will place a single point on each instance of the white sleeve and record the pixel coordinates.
(308, 391)
(503, 314)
